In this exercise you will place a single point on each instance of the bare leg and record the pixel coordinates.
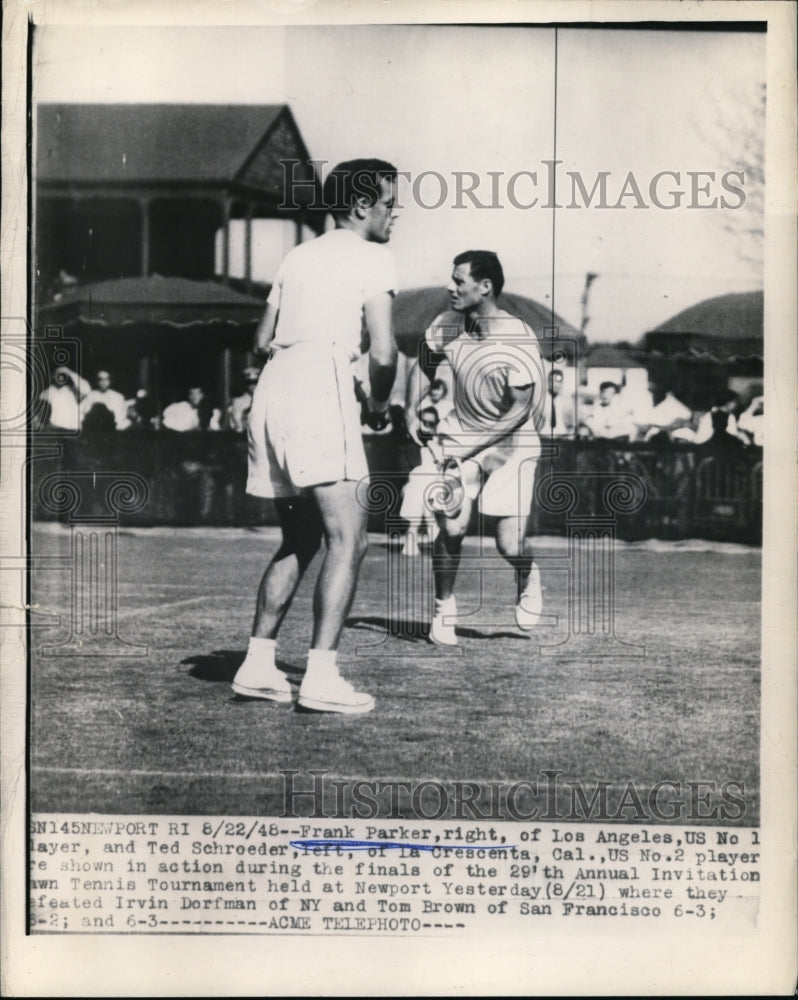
(446, 550)
(301, 527)
(344, 525)
(512, 543)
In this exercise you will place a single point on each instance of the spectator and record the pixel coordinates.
(238, 411)
(98, 440)
(108, 398)
(721, 439)
(609, 418)
(752, 422)
(98, 421)
(727, 403)
(559, 417)
(194, 414)
(142, 411)
(63, 397)
(438, 398)
(664, 415)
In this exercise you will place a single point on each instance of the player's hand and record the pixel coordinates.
(378, 415)
(375, 415)
(435, 448)
(417, 433)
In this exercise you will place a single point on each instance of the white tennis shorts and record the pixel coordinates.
(304, 425)
(503, 476)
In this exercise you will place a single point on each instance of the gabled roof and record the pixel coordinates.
(79, 143)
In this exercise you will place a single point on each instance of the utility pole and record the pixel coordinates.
(590, 277)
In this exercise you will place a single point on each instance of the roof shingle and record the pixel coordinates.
(148, 142)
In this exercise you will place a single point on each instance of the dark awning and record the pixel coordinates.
(415, 308)
(155, 300)
(611, 356)
(726, 327)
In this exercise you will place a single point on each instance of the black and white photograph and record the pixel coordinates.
(399, 498)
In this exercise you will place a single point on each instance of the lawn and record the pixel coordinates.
(160, 731)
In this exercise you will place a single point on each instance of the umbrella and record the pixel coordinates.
(154, 300)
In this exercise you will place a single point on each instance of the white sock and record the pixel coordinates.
(445, 605)
(259, 663)
(533, 580)
(262, 650)
(322, 659)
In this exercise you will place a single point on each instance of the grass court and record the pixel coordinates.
(161, 731)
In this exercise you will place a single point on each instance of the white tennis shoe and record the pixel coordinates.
(327, 691)
(260, 680)
(441, 630)
(530, 605)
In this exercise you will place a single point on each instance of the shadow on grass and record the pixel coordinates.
(472, 633)
(415, 631)
(412, 631)
(395, 546)
(221, 665)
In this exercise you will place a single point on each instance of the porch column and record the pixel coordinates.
(144, 208)
(143, 379)
(227, 380)
(226, 204)
(248, 247)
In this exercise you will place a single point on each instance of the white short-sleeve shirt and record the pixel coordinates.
(484, 366)
(322, 286)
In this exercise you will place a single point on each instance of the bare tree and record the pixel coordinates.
(736, 136)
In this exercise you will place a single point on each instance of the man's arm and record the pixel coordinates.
(265, 332)
(417, 387)
(520, 399)
(382, 353)
(79, 384)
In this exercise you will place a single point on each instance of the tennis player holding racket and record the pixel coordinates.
(489, 441)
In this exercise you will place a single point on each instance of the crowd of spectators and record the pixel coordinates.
(629, 413)
(616, 413)
(609, 412)
(658, 416)
(69, 404)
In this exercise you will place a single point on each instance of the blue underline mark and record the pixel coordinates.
(390, 845)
